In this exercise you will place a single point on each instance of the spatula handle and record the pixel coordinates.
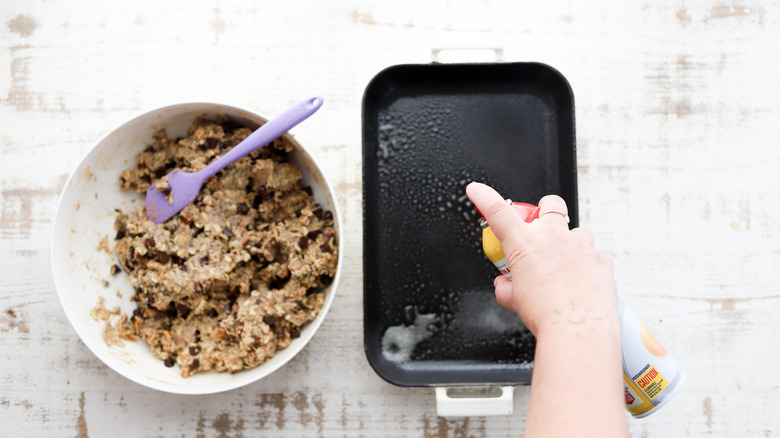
(270, 131)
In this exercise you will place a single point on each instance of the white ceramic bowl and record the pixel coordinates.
(85, 215)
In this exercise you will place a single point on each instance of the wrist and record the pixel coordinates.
(582, 323)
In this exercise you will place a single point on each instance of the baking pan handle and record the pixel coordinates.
(447, 406)
(468, 47)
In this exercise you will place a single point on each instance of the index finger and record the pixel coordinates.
(503, 220)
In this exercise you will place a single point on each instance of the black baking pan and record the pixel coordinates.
(430, 316)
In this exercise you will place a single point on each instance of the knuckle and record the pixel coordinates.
(552, 199)
(605, 259)
(517, 254)
(585, 234)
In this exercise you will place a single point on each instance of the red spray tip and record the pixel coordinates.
(528, 212)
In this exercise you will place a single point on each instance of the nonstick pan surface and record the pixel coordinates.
(430, 316)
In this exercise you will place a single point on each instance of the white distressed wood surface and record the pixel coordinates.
(677, 109)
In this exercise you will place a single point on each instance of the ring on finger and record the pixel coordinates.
(565, 216)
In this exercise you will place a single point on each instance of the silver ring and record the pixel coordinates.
(565, 216)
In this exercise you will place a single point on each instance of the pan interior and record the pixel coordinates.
(431, 316)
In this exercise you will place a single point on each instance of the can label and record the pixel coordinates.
(651, 376)
(503, 266)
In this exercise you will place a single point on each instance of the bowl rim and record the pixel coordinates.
(298, 344)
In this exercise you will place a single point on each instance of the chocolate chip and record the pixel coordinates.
(177, 260)
(313, 234)
(227, 232)
(212, 313)
(242, 208)
(249, 184)
(149, 242)
(209, 143)
(149, 148)
(230, 126)
(318, 213)
(163, 257)
(120, 234)
(295, 333)
(115, 269)
(279, 282)
(194, 350)
(165, 191)
(271, 321)
(328, 215)
(182, 310)
(256, 201)
(169, 362)
(146, 178)
(325, 247)
(160, 172)
(264, 194)
(137, 313)
(300, 307)
(307, 189)
(204, 260)
(326, 280)
(303, 242)
(194, 365)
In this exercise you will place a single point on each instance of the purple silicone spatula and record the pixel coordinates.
(185, 186)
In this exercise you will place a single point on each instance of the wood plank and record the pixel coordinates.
(676, 113)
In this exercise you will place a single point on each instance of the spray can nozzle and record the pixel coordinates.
(528, 212)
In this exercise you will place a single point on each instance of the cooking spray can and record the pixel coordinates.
(651, 376)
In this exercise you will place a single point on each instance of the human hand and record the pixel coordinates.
(557, 275)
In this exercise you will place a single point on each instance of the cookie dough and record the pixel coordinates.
(236, 274)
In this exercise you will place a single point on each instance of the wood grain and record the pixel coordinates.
(677, 105)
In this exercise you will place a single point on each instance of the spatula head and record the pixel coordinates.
(162, 205)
